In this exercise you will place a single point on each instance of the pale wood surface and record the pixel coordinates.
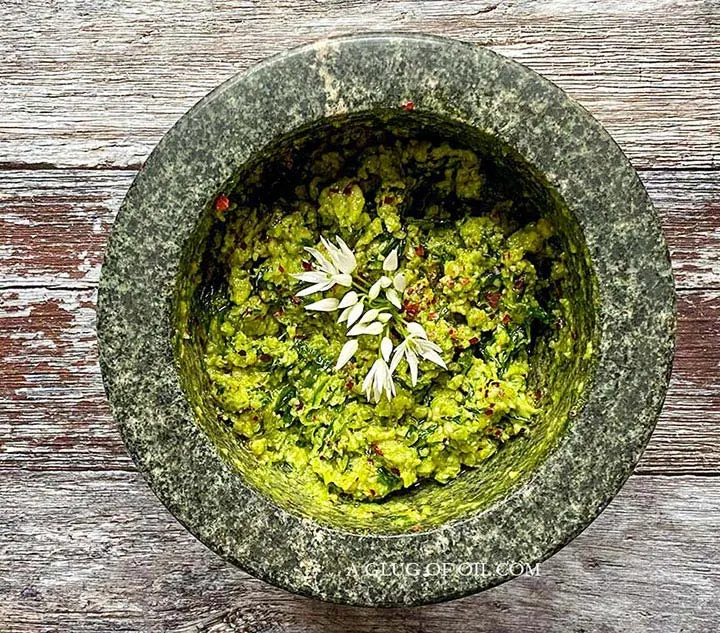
(86, 90)
(121, 563)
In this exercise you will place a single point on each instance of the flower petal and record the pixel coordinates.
(383, 381)
(336, 256)
(399, 282)
(385, 282)
(332, 250)
(386, 348)
(316, 288)
(384, 317)
(390, 387)
(397, 356)
(324, 305)
(393, 297)
(344, 314)
(322, 261)
(374, 290)
(416, 330)
(425, 345)
(372, 329)
(347, 261)
(311, 277)
(350, 298)
(433, 357)
(370, 315)
(355, 313)
(343, 280)
(390, 263)
(380, 379)
(368, 382)
(412, 362)
(346, 353)
(376, 393)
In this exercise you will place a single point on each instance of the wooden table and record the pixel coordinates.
(88, 87)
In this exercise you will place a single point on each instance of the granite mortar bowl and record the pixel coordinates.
(490, 523)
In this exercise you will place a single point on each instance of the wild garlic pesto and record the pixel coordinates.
(479, 282)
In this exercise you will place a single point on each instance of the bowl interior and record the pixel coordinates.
(560, 372)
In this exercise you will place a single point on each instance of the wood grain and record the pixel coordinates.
(121, 563)
(54, 223)
(88, 83)
(53, 227)
(88, 87)
(53, 412)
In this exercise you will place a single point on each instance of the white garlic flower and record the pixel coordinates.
(394, 287)
(416, 344)
(335, 271)
(379, 379)
(372, 322)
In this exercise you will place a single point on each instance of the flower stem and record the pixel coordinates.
(360, 285)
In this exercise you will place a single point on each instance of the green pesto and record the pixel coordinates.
(561, 364)
(485, 283)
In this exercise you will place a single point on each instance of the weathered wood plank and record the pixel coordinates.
(53, 224)
(53, 412)
(97, 84)
(96, 552)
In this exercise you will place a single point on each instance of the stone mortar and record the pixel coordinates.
(453, 81)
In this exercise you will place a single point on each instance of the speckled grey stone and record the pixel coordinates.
(464, 83)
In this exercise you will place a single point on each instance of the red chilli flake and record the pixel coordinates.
(411, 309)
(408, 105)
(376, 449)
(493, 298)
(281, 269)
(506, 319)
(307, 266)
(222, 203)
(474, 340)
(349, 385)
(420, 250)
(265, 358)
(372, 492)
(489, 411)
